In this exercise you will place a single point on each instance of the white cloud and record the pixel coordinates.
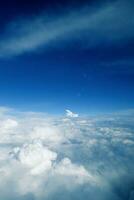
(8, 124)
(35, 156)
(67, 168)
(71, 114)
(7, 128)
(48, 133)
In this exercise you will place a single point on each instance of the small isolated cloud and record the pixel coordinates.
(71, 114)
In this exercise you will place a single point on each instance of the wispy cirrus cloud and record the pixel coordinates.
(112, 22)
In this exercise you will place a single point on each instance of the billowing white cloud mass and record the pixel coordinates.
(35, 156)
(111, 22)
(48, 158)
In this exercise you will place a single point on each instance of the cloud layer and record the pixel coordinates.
(45, 157)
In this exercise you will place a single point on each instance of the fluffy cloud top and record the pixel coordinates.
(35, 156)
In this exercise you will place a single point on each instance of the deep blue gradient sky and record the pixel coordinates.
(67, 54)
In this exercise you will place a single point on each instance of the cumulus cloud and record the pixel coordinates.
(109, 22)
(45, 157)
(35, 156)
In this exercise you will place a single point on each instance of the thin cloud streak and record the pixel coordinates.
(107, 24)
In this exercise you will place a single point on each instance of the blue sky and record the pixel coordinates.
(66, 54)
